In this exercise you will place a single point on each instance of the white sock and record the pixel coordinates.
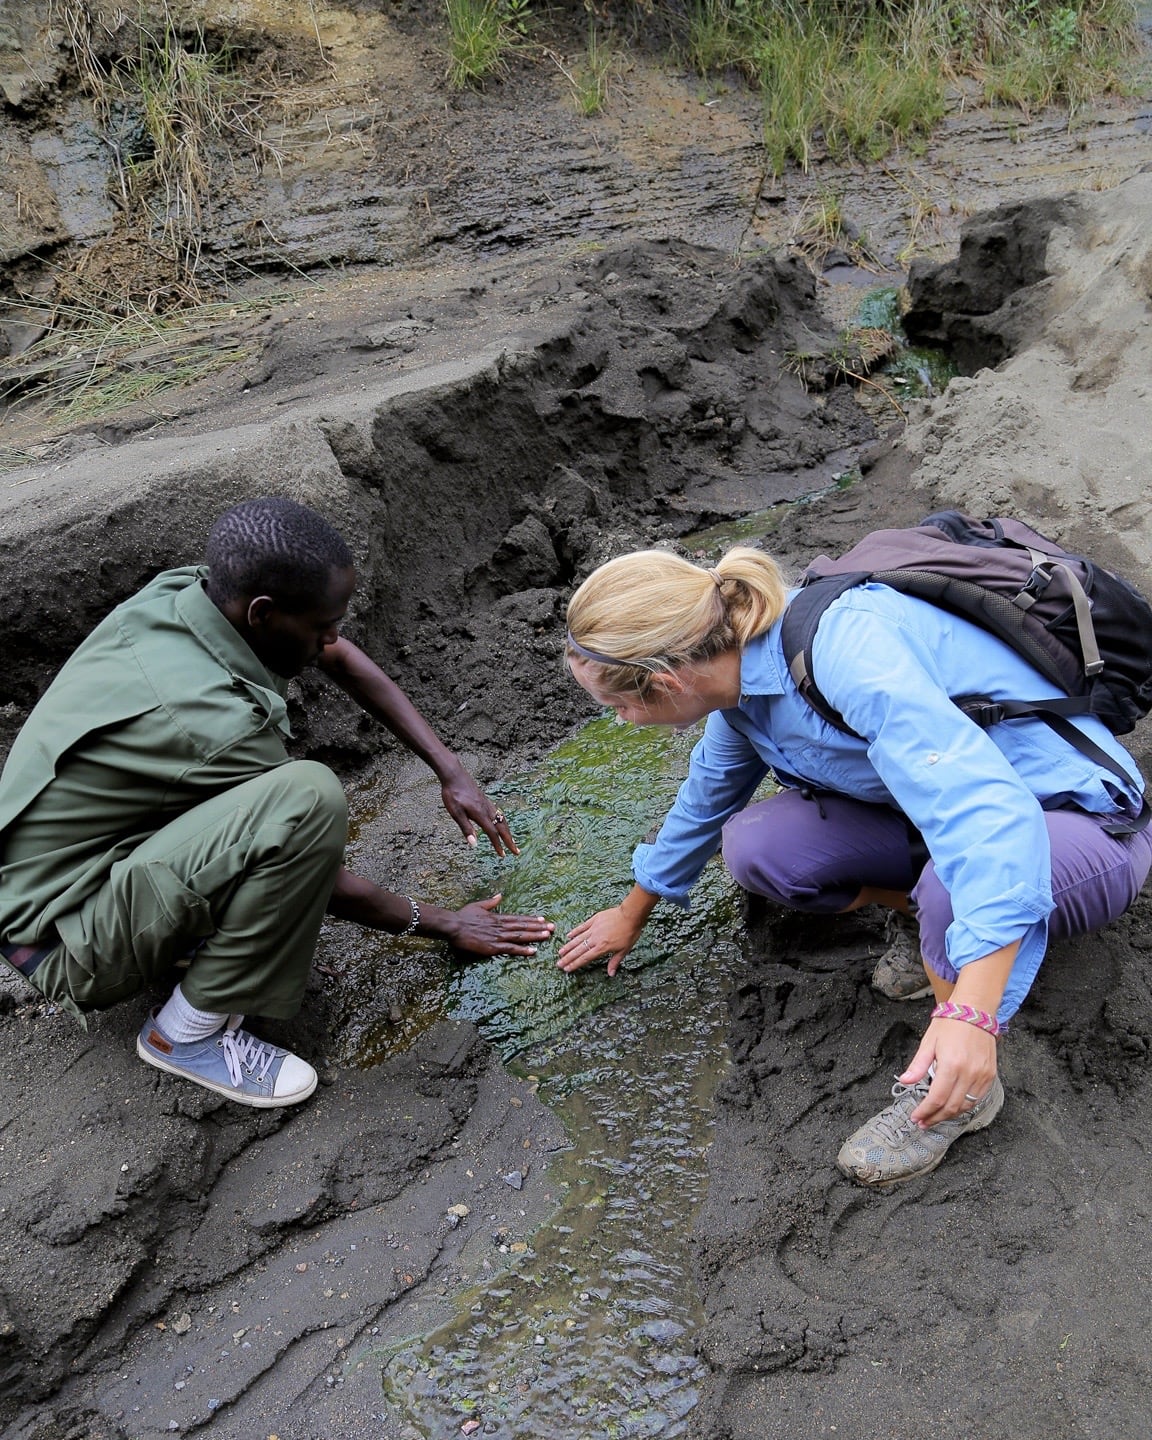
(183, 1023)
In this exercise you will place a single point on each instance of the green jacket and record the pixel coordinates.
(162, 706)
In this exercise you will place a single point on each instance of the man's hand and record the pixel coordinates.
(471, 809)
(480, 930)
(382, 698)
(477, 927)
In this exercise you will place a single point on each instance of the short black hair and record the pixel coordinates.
(273, 547)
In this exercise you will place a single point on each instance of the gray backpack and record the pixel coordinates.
(1086, 630)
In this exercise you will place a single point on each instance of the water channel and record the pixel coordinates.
(588, 1332)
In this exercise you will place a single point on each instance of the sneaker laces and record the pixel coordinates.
(892, 1123)
(243, 1050)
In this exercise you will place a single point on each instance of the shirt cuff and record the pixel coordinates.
(1005, 920)
(678, 895)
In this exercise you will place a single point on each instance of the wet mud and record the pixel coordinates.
(574, 341)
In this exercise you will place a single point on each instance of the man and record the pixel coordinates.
(150, 815)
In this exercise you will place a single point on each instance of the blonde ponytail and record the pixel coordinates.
(655, 611)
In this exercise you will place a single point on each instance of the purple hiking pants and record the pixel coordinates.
(817, 854)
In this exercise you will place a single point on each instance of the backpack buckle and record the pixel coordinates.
(1037, 582)
(980, 709)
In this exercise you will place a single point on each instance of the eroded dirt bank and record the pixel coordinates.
(135, 1205)
(475, 490)
(486, 433)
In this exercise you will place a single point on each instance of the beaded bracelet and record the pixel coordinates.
(412, 924)
(949, 1010)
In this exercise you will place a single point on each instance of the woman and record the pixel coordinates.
(1014, 819)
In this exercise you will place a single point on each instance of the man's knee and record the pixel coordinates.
(315, 792)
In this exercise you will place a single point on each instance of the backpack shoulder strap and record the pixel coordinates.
(798, 630)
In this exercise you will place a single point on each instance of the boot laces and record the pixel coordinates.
(893, 1123)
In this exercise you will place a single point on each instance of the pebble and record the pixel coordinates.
(469, 1427)
(515, 1178)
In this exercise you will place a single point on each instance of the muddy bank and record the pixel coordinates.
(475, 489)
(999, 1295)
(486, 432)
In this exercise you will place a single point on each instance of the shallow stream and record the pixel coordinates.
(588, 1331)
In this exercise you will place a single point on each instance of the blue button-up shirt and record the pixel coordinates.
(889, 663)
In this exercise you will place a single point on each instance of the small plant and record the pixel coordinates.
(593, 74)
(822, 226)
(481, 34)
(1064, 30)
(590, 75)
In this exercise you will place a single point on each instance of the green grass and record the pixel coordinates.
(857, 78)
(482, 34)
(91, 363)
(593, 73)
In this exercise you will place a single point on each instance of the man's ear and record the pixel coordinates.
(258, 611)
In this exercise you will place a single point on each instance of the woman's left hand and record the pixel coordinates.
(965, 1059)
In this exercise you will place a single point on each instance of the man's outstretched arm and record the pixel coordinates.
(379, 695)
(477, 928)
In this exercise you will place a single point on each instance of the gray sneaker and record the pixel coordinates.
(900, 972)
(233, 1063)
(890, 1148)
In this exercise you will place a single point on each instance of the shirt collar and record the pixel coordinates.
(762, 665)
(221, 638)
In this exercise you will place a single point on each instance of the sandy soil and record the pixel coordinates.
(579, 328)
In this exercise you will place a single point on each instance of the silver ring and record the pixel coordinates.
(587, 942)
(973, 1098)
(499, 817)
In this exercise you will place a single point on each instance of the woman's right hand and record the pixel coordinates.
(609, 932)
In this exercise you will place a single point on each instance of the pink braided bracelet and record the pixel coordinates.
(949, 1010)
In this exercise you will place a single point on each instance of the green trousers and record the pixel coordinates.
(241, 882)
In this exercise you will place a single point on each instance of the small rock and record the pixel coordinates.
(459, 1211)
(538, 1340)
(182, 1324)
(515, 1178)
(469, 1427)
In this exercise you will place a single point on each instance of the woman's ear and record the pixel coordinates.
(669, 682)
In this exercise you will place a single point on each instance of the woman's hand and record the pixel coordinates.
(609, 932)
(965, 1059)
(478, 929)
(965, 1055)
